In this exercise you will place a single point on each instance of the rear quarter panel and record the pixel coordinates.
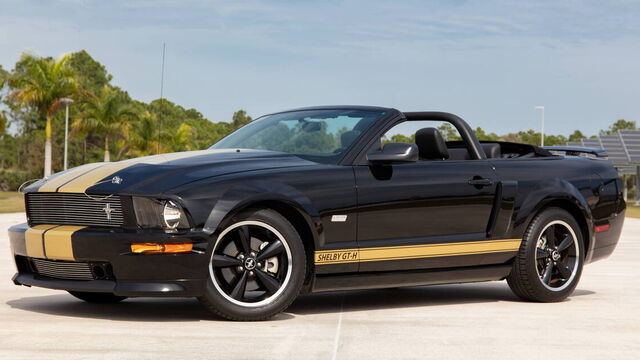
(591, 185)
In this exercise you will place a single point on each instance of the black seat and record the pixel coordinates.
(492, 150)
(348, 137)
(459, 154)
(431, 145)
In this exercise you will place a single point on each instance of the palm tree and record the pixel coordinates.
(141, 136)
(3, 123)
(180, 140)
(106, 116)
(43, 84)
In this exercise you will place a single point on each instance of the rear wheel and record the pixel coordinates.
(257, 267)
(550, 260)
(96, 297)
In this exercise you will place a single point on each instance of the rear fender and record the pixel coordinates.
(545, 194)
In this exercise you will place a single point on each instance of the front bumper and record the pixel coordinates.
(106, 286)
(131, 274)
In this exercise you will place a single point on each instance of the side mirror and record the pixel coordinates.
(395, 152)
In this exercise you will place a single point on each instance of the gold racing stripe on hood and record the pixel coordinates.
(405, 252)
(34, 240)
(53, 184)
(57, 242)
(81, 183)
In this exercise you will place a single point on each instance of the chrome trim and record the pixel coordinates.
(73, 209)
(63, 270)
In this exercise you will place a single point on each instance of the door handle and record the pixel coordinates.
(480, 182)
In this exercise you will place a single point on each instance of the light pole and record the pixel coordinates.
(542, 137)
(66, 102)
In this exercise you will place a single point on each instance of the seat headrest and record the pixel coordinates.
(492, 150)
(348, 137)
(431, 145)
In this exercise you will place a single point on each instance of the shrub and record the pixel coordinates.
(10, 180)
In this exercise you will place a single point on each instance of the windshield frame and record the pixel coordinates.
(378, 115)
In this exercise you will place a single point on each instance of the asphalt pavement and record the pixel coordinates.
(468, 321)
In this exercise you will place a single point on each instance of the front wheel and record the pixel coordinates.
(550, 260)
(257, 267)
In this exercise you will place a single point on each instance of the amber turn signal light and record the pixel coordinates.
(154, 248)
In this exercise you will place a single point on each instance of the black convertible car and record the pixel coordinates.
(321, 199)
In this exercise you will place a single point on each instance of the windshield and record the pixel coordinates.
(317, 135)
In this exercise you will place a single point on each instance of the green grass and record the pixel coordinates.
(11, 202)
(632, 210)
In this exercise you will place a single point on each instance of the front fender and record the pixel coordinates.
(242, 195)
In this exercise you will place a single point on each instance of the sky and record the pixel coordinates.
(490, 62)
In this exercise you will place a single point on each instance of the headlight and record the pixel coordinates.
(172, 215)
(166, 214)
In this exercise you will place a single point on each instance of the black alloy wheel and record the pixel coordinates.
(557, 255)
(257, 267)
(549, 262)
(251, 263)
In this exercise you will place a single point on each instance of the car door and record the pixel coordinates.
(427, 214)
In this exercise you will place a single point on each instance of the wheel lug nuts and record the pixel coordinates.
(251, 273)
(240, 268)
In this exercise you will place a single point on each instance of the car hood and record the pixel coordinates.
(159, 173)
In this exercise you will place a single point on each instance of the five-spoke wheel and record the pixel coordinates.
(251, 263)
(549, 263)
(257, 266)
(557, 254)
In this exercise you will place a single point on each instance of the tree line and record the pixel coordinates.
(106, 124)
(526, 137)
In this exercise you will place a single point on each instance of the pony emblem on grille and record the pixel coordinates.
(107, 210)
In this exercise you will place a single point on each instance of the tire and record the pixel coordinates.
(548, 271)
(96, 297)
(259, 278)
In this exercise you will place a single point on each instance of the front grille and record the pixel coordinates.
(67, 270)
(73, 209)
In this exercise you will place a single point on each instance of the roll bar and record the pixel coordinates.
(473, 145)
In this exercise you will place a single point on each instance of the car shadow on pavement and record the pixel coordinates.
(134, 309)
(419, 296)
(188, 309)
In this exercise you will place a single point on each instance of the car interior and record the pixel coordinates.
(433, 147)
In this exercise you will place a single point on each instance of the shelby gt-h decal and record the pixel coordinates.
(416, 251)
(318, 199)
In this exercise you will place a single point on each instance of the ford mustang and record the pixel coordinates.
(322, 199)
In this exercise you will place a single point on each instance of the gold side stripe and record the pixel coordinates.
(385, 248)
(83, 182)
(34, 242)
(344, 256)
(57, 242)
(53, 184)
(423, 256)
